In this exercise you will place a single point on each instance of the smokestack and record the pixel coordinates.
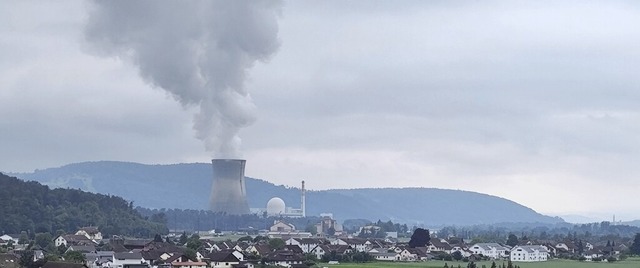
(303, 202)
(228, 192)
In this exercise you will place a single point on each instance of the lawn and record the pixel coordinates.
(439, 264)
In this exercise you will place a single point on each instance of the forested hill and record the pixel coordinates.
(31, 206)
(188, 186)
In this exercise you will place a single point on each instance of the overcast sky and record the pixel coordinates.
(534, 101)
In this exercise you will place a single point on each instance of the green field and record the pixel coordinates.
(439, 264)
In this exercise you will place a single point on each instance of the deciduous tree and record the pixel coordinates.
(420, 238)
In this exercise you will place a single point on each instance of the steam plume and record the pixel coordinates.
(199, 51)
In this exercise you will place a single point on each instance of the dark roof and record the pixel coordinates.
(339, 249)
(182, 257)
(223, 256)
(56, 264)
(83, 249)
(7, 257)
(294, 248)
(90, 230)
(263, 249)
(151, 254)
(354, 241)
(136, 242)
(284, 255)
(127, 255)
(311, 240)
(71, 238)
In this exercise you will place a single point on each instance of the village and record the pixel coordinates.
(283, 245)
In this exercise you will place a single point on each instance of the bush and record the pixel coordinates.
(612, 259)
(582, 258)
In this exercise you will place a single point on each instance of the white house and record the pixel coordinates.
(490, 250)
(439, 245)
(120, 259)
(280, 226)
(360, 245)
(91, 233)
(386, 256)
(68, 240)
(7, 238)
(529, 253)
(306, 244)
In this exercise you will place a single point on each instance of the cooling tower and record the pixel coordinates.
(228, 193)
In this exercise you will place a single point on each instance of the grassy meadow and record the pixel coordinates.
(631, 262)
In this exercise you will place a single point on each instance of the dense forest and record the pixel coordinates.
(34, 208)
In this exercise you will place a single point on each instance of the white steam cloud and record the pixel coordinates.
(199, 51)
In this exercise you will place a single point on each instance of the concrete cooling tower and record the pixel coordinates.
(228, 193)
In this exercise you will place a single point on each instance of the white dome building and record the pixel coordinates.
(276, 207)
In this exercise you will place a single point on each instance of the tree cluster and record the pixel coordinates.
(34, 208)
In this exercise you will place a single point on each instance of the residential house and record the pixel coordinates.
(99, 259)
(359, 244)
(406, 255)
(294, 248)
(68, 240)
(490, 250)
(182, 261)
(439, 245)
(306, 244)
(463, 251)
(10, 237)
(284, 258)
(223, 259)
(592, 254)
(258, 249)
(37, 255)
(386, 256)
(125, 259)
(379, 250)
(332, 250)
(82, 249)
(280, 226)
(90, 232)
(529, 253)
(565, 247)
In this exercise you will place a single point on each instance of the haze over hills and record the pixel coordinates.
(188, 186)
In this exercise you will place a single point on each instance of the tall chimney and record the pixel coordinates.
(303, 205)
(228, 192)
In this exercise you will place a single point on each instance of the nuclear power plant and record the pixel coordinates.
(277, 207)
(228, 192)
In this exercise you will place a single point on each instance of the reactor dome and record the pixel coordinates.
(275, 206)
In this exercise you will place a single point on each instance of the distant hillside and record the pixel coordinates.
(31, 206)
(188, 186)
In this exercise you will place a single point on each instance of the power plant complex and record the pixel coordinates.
(229, 194)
